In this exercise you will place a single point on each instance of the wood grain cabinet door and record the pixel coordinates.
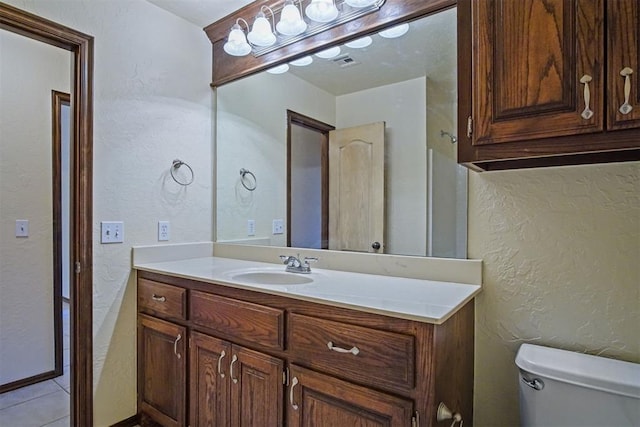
(256, 388)
(539, 69)
(209, 381)
(162, 370)
(623, 66)
(315, 399)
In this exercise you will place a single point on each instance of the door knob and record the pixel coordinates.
(375, 245)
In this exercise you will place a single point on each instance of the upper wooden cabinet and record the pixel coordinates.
(541, 83)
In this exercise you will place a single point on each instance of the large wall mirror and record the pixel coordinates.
(304, 133)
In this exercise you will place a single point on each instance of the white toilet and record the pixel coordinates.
(563, 388)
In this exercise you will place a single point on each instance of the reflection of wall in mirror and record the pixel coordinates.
(30, 70)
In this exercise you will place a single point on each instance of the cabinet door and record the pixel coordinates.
(320, 400)
(536, 65)
(623, 50)
(256, 388)
(209, 381)
(162, 369)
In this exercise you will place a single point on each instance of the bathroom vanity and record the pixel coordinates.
(219, 345)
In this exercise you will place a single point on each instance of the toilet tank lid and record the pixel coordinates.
(600, 373)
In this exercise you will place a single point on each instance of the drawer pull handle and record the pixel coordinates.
(626, 108)
(222, 355)
(586, 113)
(175, 346)
(157, 298)
(353, 350)
(294, 382)
(234, 359)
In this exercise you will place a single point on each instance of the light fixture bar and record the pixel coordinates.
(347, 13)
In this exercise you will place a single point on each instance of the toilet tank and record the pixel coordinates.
(564, 388)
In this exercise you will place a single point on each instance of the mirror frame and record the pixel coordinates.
(81, 47)
(228, 68)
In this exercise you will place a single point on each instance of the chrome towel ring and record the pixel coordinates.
(174, 168)
(246, 182)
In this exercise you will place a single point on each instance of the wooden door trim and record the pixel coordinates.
(81, 47)
(324, 129)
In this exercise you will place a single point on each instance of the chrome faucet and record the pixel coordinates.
(294, 265)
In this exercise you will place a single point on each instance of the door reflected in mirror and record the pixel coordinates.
(408, 83)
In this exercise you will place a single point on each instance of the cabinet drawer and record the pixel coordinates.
(235, 319)
(161, 299)
(365, 355)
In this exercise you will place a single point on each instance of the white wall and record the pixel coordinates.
(152, 104)
(253, 137)
(403, 107)
(29, 71)
(560, 250)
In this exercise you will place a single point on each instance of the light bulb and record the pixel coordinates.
(322, 10)
(360, 3)
(302, 62)
(332, 52)
(291, 23)
(393, 32)
(261, 33)
(236, 44)
(360, 43)
(283, 68)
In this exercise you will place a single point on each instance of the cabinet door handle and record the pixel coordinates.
(222, 355)
(234, 359)
(158, 298)
(353, 350)
(586, 113)
(626, 108)
(175, 346)
(294, 382)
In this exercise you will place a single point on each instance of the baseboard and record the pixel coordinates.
(129, 422)
(28, 381)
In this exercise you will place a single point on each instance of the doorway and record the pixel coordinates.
(307, 182)
(81, 101)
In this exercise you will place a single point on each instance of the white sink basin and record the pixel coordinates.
(269, 277)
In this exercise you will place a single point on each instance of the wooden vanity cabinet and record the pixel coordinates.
(540, 82)
(256, 359)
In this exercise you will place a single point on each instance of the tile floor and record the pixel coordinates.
(41, 404)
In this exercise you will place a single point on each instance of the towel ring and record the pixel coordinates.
(244, 180)
(175, 166)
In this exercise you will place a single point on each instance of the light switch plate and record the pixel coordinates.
(22, 228)
(111, 232)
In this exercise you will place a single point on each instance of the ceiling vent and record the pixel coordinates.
(344, 61)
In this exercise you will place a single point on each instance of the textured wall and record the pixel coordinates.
(561, 252)
(152, 104)
(29, 70)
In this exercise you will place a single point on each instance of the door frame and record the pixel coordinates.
(310, 123)
(81, 47)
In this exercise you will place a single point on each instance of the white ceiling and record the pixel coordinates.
(428, 49)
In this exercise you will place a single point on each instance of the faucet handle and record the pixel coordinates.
(285, 258)
(308, 259)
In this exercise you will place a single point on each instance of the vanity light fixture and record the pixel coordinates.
(291, 22)
(332, 52)
(261, 33)
(279, 69)
(291, 27)
(322, 10)
(360, 43)
(236, 44)
(302, 62)
(393, 32)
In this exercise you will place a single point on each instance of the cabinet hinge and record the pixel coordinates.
(469, 127)
(77, 265)
(285, 377)
(415, 420)
(189, 347)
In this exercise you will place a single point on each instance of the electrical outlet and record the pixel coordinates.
(22, 228)
(111, 232)
(251, 227)
(278, 226)
(164, 231)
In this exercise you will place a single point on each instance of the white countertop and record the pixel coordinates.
(422, 300)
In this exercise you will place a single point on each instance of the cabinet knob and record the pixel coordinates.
(375, 245)
(586, 113)
(626, 108)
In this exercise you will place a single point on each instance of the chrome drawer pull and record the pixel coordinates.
(175, 346)
(354, 350)
(294, 382)
(222, 355)
(234, 359)
(157, 298)
(626, 108)
(586, 113)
